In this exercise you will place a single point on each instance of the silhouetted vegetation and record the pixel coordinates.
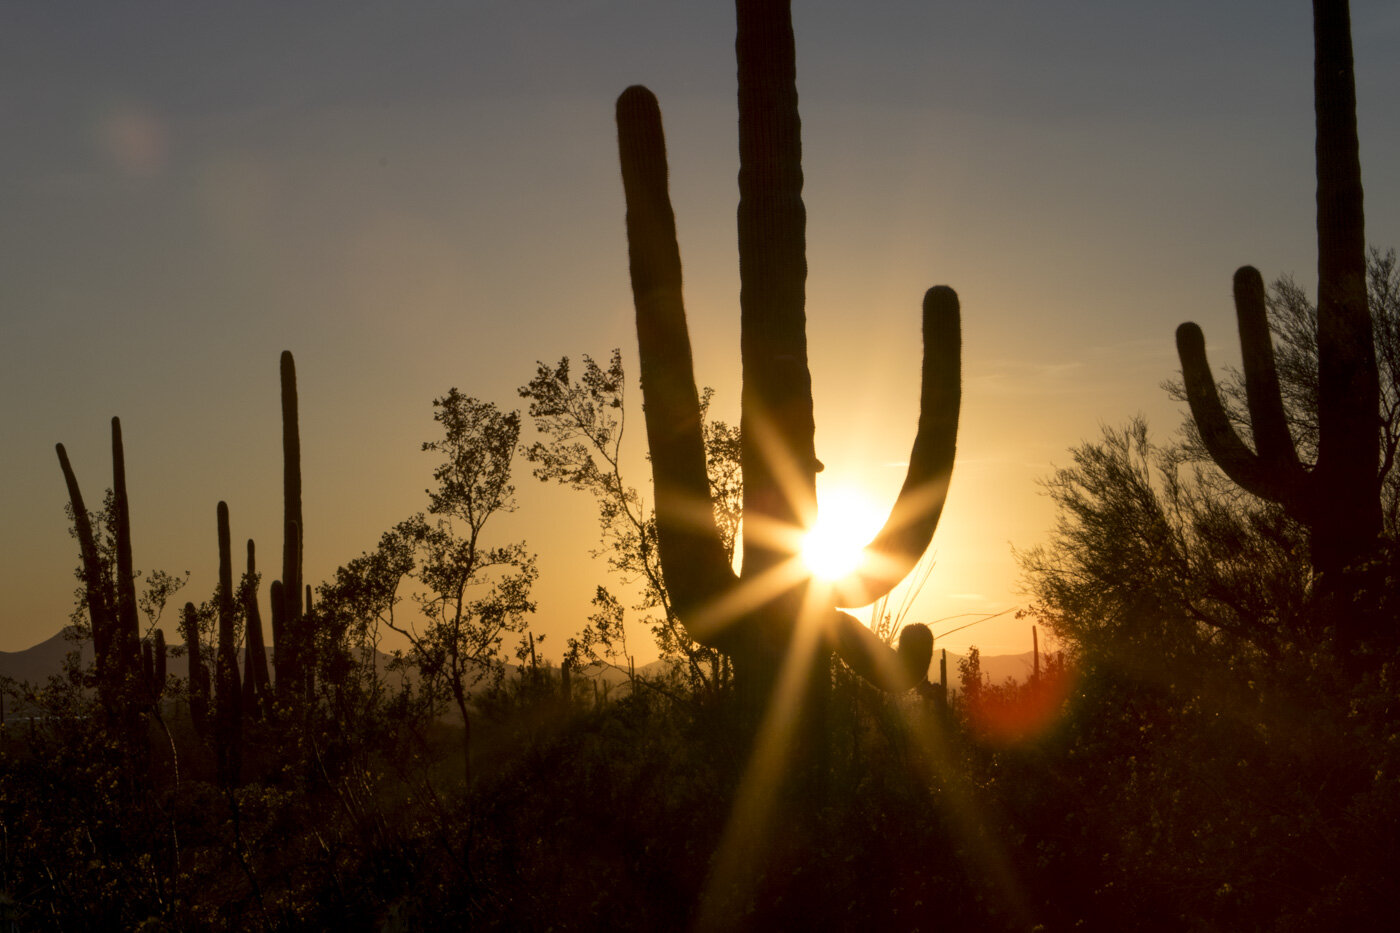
(1213, 745)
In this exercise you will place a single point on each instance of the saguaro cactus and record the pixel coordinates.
(256, 679)
(111, 601)
(96, 587)
(289, 643)
(754, 616)
(228, 699)
(1338, 498)
(199, 673)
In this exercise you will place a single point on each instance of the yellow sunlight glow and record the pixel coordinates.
(846, 521)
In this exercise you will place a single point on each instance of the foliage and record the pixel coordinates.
(1216, 714)
(583, 422)
(1151, 565)
(467, 595)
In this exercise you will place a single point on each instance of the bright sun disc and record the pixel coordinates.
(846, 521)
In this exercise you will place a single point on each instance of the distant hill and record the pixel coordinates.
(37, 664)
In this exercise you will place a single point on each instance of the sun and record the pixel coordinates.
(846, 521)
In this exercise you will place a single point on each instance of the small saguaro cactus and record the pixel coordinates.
(198, 671)
(228, 698)
(1338, 498)
(755, 615)
(159, 648)
(111, 602)
(256, 679)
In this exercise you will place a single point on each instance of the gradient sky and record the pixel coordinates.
(417, 195)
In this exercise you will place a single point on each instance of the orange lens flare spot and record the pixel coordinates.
(1013, 713)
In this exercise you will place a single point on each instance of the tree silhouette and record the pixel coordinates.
(471, 593)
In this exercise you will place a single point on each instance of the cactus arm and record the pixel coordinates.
(99, 610)
(894, 551)
(692, 554)
(1224, 446)
(776, 427)
(885, 667)
(1267, 420)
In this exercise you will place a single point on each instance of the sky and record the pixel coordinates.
(416, 195)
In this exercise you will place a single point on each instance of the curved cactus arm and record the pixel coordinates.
(99, 610)
(692, 553)
(1233, 456)
(1267, 420)
(907, 532)
(885, 667)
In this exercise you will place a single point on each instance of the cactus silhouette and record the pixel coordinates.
(111, 602)
(754, 616)
(1338, 498)
(256, 678)
(159, 649)
(199, 672)
(228, 697)
(96, 588)
(289, 641)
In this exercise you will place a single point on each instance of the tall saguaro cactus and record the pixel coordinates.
(290, 641)
(1338, 498)
(754, 616)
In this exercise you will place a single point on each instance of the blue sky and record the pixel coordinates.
(415, 195)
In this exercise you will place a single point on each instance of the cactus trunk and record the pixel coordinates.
(198, 672)
(289, 643)
(228, 699)
(256, 679)
(127, 639)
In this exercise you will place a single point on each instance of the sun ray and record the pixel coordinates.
(747, 832)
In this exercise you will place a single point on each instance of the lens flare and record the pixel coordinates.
(846, 521)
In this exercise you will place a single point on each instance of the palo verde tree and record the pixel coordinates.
(1337, 498)
(760, 615)
(469, 595)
